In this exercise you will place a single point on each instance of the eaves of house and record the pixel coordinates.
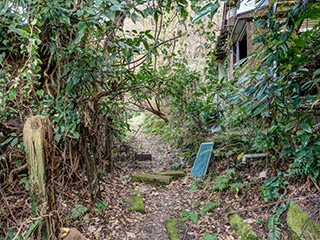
(235, 16)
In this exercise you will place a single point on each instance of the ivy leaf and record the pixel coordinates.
(209, 8)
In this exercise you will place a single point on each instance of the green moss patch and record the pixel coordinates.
(243, 230)
(300, 224)
(137, 204)
(151, 179)
(172, 230)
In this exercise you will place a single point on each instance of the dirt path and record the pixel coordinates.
(161, 203)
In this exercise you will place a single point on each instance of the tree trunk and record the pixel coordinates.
(108, 142)
(90, 163)
(37, 139)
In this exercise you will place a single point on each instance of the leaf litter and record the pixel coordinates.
(112, 220)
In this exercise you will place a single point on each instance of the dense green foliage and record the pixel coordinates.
(279, 98)
(75, 62)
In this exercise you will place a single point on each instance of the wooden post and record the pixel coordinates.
(37, 139)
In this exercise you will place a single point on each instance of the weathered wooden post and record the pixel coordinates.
(38, 141)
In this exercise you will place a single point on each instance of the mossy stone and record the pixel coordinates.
(137, 204)
(173, 174)
(172, 230)
(151, 179)
(242, 229)
(296, 220)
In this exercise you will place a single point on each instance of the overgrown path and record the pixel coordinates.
(161, 203)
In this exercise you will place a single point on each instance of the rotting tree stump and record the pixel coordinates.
(38, 144)
(173, 174)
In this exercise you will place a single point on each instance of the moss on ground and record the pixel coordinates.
(243, 230)
(172, 230)
(301, 224)
(137, 204)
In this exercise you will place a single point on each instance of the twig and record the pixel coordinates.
(8, 206)
(185, 232)
(136, 132)
(146, 54)
(28, 221)
(16, 171)
(18, 233)
(269, 204)
(305, 225)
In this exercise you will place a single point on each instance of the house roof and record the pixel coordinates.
(232, 25)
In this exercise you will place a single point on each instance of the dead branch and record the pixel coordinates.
(8, 206)
(146, 54)
(152, 110)
(16, 171)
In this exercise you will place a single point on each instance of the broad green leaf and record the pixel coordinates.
(76, 135)
(6, 141)
(82, 27)
(306, 127)
(18, 31)
(210, 8)
(260, 109)
(101, 206)
(134, 17)
(110, 14)
(316, 73)
(193, 217)
(33, 226)
(261, 90)
(14, 142)
(12, 94)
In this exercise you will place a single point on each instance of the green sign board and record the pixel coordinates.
(201, 163)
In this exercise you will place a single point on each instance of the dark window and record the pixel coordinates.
(240, 48)
(234, 53)
(243, 45)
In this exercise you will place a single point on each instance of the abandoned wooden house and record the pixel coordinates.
(234, 42)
